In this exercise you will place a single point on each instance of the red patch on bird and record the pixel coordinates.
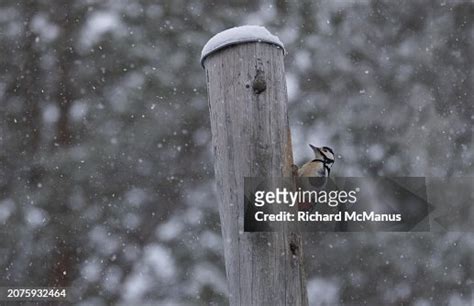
(305, 206)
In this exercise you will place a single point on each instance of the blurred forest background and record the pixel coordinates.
(106, 170)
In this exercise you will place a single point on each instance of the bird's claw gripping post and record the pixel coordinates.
(294, 170)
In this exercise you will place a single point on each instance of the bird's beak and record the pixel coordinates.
(314, 148)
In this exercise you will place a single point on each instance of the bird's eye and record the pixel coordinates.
(324, 150)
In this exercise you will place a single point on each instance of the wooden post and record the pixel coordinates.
(251, 138)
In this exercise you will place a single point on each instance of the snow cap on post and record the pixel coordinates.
(239, 35)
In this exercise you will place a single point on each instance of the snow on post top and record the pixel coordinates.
(238, 35)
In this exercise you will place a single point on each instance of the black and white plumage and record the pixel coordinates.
(321, 165)
(318, 171)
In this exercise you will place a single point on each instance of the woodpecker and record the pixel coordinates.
(321, 165)
(319, 168)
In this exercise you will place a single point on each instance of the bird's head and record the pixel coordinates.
(325, 154)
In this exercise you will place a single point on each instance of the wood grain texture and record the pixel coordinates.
(251, 137)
